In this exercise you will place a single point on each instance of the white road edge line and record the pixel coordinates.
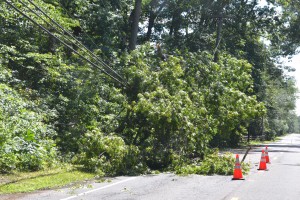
(101, 188)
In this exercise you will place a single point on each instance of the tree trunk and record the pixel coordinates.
(218, 40)
(150, 25)
(135, 24)
(153, 14)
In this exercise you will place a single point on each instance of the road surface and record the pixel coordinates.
(281, 182)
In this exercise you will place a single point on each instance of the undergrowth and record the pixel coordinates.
(213, 163)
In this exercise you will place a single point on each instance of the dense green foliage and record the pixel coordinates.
(211, 164)
(26, 140)
(200, 76)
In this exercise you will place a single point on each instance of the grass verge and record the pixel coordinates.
(259, 142)
(32, 181)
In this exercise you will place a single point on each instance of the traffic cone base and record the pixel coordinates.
(237, 173)
(241, 177)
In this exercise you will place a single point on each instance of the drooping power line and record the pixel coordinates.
(70, 34)
(64, 43)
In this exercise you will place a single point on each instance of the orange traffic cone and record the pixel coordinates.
(237, 173)
(263, 164)
(267, 155)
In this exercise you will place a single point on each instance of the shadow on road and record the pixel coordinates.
(277, 145)
(285, 151)
(272, 148)
(293, 165)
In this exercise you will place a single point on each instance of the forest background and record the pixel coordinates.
(161, 82)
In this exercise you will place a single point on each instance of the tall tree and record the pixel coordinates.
(154, 8)
(287, 40)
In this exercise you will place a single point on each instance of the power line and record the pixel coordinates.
(95, 57)
(65, 44)
(90, 38)
(62, 33)
(85, 34)
(85, 49)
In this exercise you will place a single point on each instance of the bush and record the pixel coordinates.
(25, 139)
(213, 163)
(107, 154)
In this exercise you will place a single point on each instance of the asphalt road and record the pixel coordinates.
(280, 182)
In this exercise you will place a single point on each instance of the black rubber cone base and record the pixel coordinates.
(236, 179)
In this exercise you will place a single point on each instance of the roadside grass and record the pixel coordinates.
(48, 179)
(259, 142)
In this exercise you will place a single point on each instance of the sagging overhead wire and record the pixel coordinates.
(70, 34)
(64, 43)
(71, 16)
(78, 44)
